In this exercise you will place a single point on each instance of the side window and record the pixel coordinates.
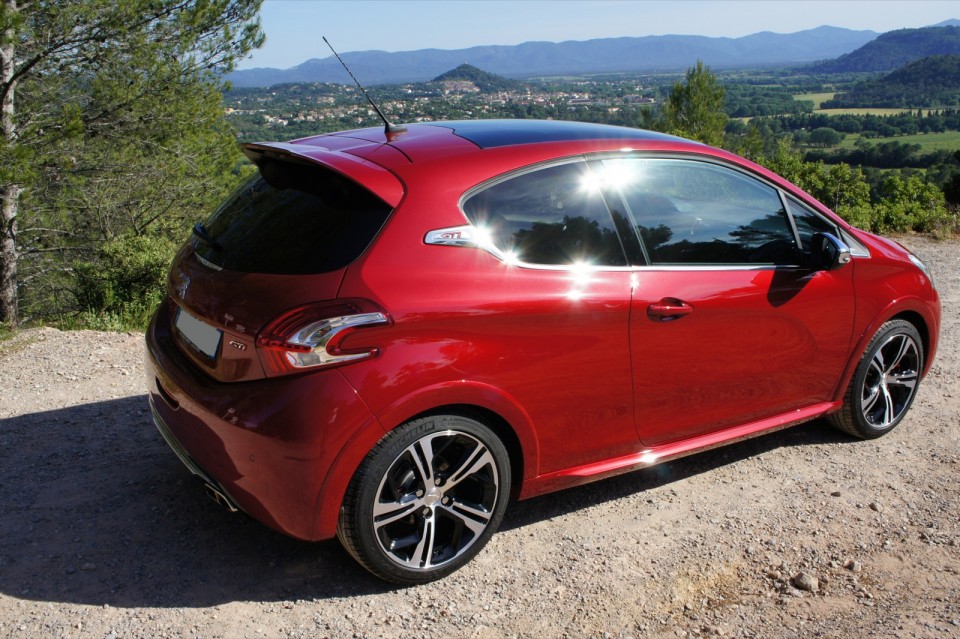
(551, 216)
(691, 212)
(808, 223)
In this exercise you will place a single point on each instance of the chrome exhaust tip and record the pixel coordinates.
(218, 496)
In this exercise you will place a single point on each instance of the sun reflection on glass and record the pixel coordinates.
(483, 237)
(615, 174)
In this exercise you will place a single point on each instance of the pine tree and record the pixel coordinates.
(694, 108)
(110, 113)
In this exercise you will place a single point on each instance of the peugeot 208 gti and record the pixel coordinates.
(383, 336)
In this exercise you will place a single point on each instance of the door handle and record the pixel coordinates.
(668, 309)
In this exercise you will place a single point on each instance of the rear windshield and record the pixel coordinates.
(292, 219)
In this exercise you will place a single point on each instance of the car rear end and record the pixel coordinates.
(243, 355)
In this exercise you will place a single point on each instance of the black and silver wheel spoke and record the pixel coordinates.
(475, 519)
(477, 461)
(388, 512)
(423, 553)
(421, 452)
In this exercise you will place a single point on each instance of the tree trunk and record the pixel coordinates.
(9, 193)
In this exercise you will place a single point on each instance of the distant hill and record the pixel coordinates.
(606, 55)
(894, 49)
(484, 81)
(933, 81)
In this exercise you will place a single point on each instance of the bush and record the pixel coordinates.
(122, 287)
(902, 204)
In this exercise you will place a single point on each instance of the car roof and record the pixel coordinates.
(428, 140)
(383, 160)
(495, 133)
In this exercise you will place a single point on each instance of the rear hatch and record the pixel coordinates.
(281, 242)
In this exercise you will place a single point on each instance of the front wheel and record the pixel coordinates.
(884, 384)
(426, 499)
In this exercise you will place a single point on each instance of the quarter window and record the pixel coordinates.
(690, 212)
(551, 216)
(809, 223)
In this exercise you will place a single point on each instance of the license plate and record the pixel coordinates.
(202, 336)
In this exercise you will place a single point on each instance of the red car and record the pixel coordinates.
(385, 335)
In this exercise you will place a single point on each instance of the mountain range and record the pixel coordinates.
(603, 55)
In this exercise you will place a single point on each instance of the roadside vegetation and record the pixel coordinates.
(102, 184)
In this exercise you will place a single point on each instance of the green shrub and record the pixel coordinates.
(125, 282)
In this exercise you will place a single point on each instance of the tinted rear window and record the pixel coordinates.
(293, 219)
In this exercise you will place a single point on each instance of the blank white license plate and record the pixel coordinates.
(204, 337)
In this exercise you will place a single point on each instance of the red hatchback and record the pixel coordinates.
(385, 336)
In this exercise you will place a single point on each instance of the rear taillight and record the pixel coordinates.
(311, 336)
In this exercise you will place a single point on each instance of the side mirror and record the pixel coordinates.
(828, 253)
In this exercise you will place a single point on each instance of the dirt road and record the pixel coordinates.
(803, 533)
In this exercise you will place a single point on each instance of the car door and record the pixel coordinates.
(555, 330)
(727, 327)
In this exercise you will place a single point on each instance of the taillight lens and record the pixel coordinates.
(311, 336)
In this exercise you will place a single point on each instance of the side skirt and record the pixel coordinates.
(657, 454)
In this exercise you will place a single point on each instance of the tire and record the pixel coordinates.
(426, 499)
(885, 382)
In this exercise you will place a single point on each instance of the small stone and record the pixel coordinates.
(853, 565)
(805, 581)
(876, 507)
(836, 493)
(88, 566)
(774, 574)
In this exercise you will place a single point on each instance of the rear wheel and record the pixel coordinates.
(884, 384)
(426, 499)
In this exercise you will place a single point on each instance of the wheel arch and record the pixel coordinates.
(494, 407)
(910, 310)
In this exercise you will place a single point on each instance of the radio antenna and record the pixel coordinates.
(387, 127)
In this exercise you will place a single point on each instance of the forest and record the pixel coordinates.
(933, 80)
(119, 134)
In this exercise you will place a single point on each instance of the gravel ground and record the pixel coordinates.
(802, 533)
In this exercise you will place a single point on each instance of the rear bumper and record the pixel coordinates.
(217, 491)
(272, 448)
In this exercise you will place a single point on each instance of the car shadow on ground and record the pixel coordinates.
(97, 511)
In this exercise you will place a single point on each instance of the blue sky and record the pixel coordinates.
(294, 27)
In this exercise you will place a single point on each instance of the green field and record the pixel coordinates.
(862, 111)
(946, 141)
(816, 98)
(819, 98)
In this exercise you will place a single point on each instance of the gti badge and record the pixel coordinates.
(238, 345)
